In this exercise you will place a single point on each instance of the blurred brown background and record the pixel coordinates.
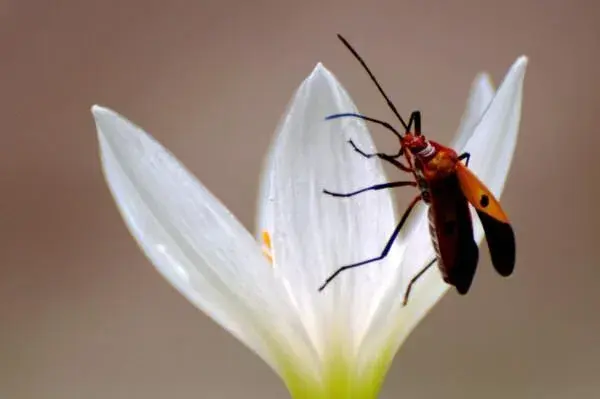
(84, 315)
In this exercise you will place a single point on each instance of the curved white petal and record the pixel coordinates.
(491, 146)
(194, 241)
(480, 96)
(313, 233)
(493, 143)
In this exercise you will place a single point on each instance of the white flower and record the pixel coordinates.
(263, 289)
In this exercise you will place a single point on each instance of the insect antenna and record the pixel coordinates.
(374, 79)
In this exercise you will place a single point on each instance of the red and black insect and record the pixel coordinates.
(447, 186)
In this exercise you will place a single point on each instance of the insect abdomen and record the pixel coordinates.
(436, 245)
(452, 233)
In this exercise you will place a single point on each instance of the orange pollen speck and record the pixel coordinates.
(266, 248)
(266, 239)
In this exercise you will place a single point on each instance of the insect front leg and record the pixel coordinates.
(386, 157)
(414, 280)
(386, 250)
(389, 158)
(415, 117)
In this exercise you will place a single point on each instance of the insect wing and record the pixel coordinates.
(478, 194)
(451, 229)
(499, 234)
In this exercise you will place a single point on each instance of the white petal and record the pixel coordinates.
(491, 146)
(493, 143)
(313, 233)
(192, 239)
(480, 96)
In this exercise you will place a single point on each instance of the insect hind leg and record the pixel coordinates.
(414, 280)
(386, 250)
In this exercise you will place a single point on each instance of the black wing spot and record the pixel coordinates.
(484, 201)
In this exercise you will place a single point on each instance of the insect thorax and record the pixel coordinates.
(439, 166)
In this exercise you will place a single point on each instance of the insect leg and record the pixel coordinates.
(466, 156)
(375, 187)
(385, 251)
(366, 118)
(414, 280)
(389, 158)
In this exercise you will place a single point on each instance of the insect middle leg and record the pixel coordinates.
(414, 280)
(375, 187)
(386, 250)
(466, 156)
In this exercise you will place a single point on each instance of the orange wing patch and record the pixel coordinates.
(478, 194)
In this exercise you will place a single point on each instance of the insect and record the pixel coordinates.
(447, 186)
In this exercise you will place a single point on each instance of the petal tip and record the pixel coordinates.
(111, 124)
(483, 79)
(523, 60)
(319, 71)
(319, 77)
(521, 63)
(103, 116)
(98, 111)
(516, 72)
